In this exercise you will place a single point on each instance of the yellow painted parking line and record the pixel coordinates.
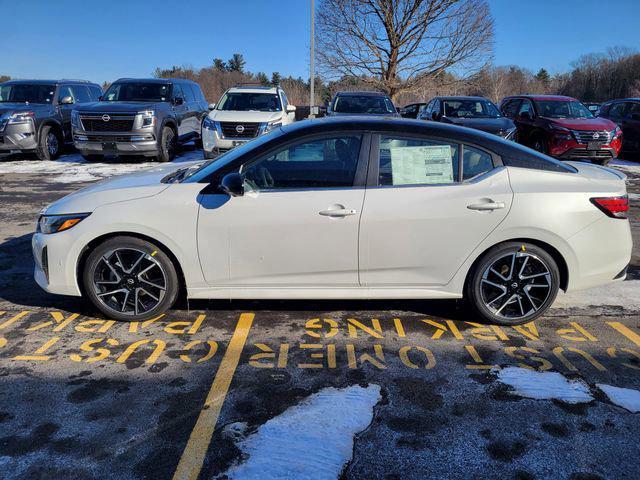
(626, 331)
(193, 456)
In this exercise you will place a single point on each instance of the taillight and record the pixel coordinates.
(614, 207)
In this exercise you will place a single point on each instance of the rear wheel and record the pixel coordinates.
(168, 145)
(130, 279)
(539, 144)
(49, 144)
(513, 283)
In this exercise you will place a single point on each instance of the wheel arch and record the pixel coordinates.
(563, 268)
(84, 254)
(56, 126)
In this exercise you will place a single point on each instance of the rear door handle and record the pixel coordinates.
(341, 212)
(486, 206)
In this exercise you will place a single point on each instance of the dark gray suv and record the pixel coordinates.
(149, 117)
(35, 115)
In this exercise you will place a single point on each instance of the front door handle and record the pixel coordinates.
(483, 207)
(338, 212)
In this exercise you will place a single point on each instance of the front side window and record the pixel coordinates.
(510, 108)
(470, 109)
(25, 93)
(411, 161)
(247, 102)
(65, 91)
(368, 104)
(618, 109)
(81, 94)
(562, 109)
(526, 107)
(319, 163)
(138, 92)
(188, 93)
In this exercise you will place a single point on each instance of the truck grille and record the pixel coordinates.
(248, 130)
(584, 136)
(96, 123)
(584, 153)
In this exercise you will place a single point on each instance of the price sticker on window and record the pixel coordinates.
(421, 165)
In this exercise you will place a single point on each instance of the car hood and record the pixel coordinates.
(584, 123)
(344, 114)
(22, 107)
(235, 116)
(491, 125)
(116, 107)
(145, 183)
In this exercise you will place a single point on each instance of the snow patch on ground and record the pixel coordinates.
(75, 169)
(626, 165)
(634, 196)
(311, 440)
(544, 385)
(619, 294)
(626, 398)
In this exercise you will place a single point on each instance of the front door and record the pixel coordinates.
(427, 212)
(296, 225)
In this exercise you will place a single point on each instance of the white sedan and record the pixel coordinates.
(343, 208)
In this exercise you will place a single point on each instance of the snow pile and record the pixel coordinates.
(544, 385)
(311, 440)
(626, 165)
(626, 398)
(75, 169)
(619, 294)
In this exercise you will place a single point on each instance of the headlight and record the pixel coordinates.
(272, 126)
(615, 133)
(147, 118)
(58, 223)
(561, 132)
(75, 119)
(208, 124)
(21, 117)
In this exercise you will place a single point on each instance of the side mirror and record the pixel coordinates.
(525, 116)
(291, 108)
(434, 116)
(212, 106)
(101, 98)
(233, 184)
(178, 101)
(66, 101)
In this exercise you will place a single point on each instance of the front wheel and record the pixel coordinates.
(513, 283)
(539, 144)
(49, 144)
(130, 279)
(168, 145)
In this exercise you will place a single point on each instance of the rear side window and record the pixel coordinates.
(475, 162)
(618, 109)
(412, 161)
(177, 91)
(81, 93)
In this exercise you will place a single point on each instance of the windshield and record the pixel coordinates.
(470, 109)
(363, 104)
(221, 161)
(562, 109)
(24, 93)
(138, 92)
(246, 102)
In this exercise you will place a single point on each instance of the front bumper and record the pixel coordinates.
(120, 144)
(213, 141)
(17, 137)
(51, 254)
(581, 152)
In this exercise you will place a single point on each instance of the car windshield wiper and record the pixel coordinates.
(175, 176)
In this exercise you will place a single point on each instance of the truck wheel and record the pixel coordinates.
(539, 144)
(49, 144)
(167, 150)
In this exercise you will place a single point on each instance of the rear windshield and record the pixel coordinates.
(363, 104)
(138, 92)
(25, 93)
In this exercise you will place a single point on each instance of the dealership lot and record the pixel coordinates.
(383, 389)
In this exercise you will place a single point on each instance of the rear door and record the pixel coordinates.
(425, 211)
(631, 127)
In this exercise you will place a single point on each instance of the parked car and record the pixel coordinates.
(593, 107)
(362, 103)
(243, 113)
(344, 207)
(473, 112)
(562, 127)
(411, 110)
(35, 115)
(626, 113)
(148, 117)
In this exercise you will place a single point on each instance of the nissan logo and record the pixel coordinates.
(596, 136)
(240, 128)
(106, 118)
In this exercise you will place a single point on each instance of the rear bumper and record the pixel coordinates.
(18, 137)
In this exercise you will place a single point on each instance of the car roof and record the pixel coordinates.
(362, 94)
(253, 89)
(155, 80)
(47, 82)
(462, 97)
(543, 98)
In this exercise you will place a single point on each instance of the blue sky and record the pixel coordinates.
(101, 41)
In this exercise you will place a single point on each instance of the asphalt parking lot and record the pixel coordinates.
(381, 389)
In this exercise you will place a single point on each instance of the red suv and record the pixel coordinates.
(562, 127)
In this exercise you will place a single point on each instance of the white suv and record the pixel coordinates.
(243, 113)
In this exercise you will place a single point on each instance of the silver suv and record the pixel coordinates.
(35, 115)
(149, 117)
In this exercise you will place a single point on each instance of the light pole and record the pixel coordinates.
(312, 80)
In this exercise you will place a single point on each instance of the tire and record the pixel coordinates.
(539, 144)
(168, 145)
(209, 155)
(49, 144)
(494, 278)
(135, 298)
(93, 158)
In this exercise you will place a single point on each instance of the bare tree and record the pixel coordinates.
(397, 45)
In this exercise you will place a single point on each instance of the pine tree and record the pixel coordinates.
(543, 76)
(219, 64)
(236, 63)
(275, 79)
(262, 78)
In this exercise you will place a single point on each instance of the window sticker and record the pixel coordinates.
(422, 165)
